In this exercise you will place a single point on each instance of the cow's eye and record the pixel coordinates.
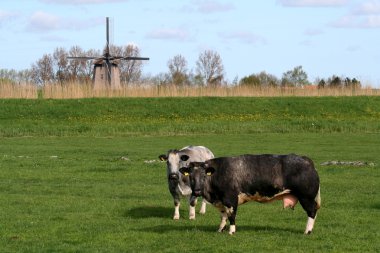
(184, 172)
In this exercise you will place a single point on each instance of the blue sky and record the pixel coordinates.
(326, 37)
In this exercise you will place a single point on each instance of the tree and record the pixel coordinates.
(267, 80)
(210, 68)
(76, 66)
(335, 82)
(296, 77)
(8, 76)
(130, 71)
(339, 82)
(251, 80)
(321, 84)
(88, 68)
(178, 70)
(158, 79)
(354, 83)
(261, 79)
(60, 64)
(42, 70)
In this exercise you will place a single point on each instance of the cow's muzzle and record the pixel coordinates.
(197, 193)
(173, 177)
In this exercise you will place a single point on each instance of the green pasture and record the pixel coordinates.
(83, 175)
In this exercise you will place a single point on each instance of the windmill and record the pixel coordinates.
(106, 70)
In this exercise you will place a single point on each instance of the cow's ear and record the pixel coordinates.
(185, 171)
(185, 157)
(209, 171)
(163, 157)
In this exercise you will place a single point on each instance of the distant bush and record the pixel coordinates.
(339, 82)
(261, 79)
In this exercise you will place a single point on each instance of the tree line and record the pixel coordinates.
(56, 68)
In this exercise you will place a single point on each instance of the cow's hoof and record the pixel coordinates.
(308, 232)
(192, 218)
(232, 229)
(202, 211)
(175, 217)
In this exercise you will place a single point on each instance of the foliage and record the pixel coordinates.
(262, 79)
(210, 68)
(339, 82)
(178, 70)
(56, 68)
(296, 77)
(130, 71)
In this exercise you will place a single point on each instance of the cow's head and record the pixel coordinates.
(174, 161)
(198, 172)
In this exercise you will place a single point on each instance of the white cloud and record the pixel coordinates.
(348, 21)
(313, 32)
(43, 22)
(371, 21)
(366, 15)
(368, 8)
(353, 48)
(169, 34)
(242, 36)
(211, 6)
(74, 2)
(312, 3)
(352, 21)
(306, 43)
(6, 16)
(54, 38)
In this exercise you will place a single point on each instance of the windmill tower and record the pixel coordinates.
(106, 69)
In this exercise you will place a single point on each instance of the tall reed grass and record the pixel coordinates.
(10, 90)
(74, 90)
(82, 90)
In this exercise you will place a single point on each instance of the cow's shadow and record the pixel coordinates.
(161, 212)
(144, 212)
(213, 229)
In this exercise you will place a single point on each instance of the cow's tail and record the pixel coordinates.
(318, 198)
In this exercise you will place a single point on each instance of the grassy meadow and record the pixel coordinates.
(82, 175)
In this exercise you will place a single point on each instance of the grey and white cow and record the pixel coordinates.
(179, 185)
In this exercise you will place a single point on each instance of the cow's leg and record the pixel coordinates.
(231, 217)
(193, 203)
(310, 206)
(223, 216)
(222, 226)
(176, 208)
(310, 225)
(231, 210)
(203, 207)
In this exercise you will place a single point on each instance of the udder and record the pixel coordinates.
(289, 201)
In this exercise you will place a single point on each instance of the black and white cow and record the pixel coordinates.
(227, 182)
(179, 185)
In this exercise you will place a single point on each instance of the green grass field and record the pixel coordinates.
(83, 176)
